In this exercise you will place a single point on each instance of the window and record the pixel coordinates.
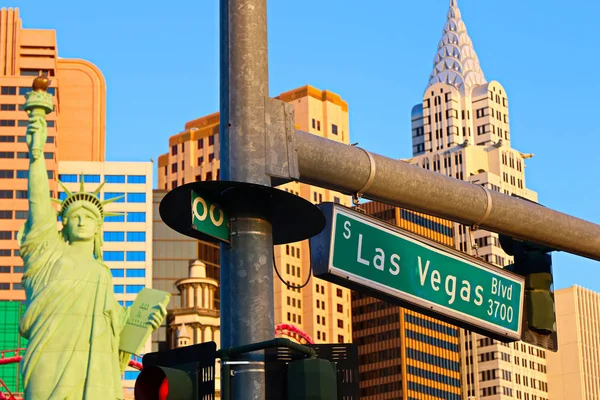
(340, 308)
(5, 253)
(7, 122)
(314, 123)
(114, 218)
(133, 289)
(6, 194)
(21, 214)
(6, 214)
(5, 235)
(114, 236)
(136, 236)
(174, 150)
(70, 178)
(136, 178)
(173, 168)
(4, 286)
(6, 174)
(21, 194)
(200, 160)
(22, 122)
(8, 90)
(340, 323)
(50, 124)
(339, 292)
(7, 139)
(112, 195)
(114, 256)
(136, 256)
(336, 200)
(334, 129)
(119, 288)
(117, 273)
(136, 197)
(91, 178)
(340, 339)
(131, 375)
(211, 140)
(136, 216)
(4, 270)
(211, 157)
(208, 176)
(7, 154)
(136, 273)
(114, 178)
(200, 143)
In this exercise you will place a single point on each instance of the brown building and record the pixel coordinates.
(404, 354)
(321, 309)
(75, 129)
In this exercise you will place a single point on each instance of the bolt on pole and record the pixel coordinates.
(247, 307)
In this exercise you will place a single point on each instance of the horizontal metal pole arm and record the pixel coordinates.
(337, 166)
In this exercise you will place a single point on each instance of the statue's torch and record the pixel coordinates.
(38, 103)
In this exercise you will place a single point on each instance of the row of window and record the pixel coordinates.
(7, 270)
(21, 174)
(95, 178)
(124, 256)
(377, 337)
(129, 273)
(428, 390)
(8, 214)
(22, 139)
(200, 145)
(434, 326)
(21, 123)
(432, 359)
(23, 155)
(115, 236)
(8, 253)
(131, 216)
(510, 161)
(291, 301)
(132, 197)
(23, 90)
(422, 373)
(128, 289)
(7, 286)
(316, 124)
(444, 344)
(291, 317)
(381, 373)
(425, 222)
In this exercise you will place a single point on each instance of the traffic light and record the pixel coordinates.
(185, 373)
(534, 262)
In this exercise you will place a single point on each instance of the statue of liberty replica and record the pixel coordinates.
(73, 320)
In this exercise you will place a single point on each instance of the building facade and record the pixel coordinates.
(127, 238)
(462, 129)
(404, 354)
(172, 255)
(76, 128)
(574, 370)
(321, 309)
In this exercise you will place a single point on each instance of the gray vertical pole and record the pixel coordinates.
(246, 265)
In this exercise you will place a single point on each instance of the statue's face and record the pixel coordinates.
(81, 225)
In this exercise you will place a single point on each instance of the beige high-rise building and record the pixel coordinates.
(462, 129)
(321, 310)
(574, 371)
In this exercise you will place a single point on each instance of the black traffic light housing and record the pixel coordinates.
(534, 262)
(186, 373)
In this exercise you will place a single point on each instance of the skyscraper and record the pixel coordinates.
(320, 309)
(574, 371)
(405, 354)
(462, 129)
(75, 129)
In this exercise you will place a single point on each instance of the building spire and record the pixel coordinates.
(456, 62)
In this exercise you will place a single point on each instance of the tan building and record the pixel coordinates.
(75, 129)
(462, 129)
(574, 371)
(321, 309)
(404, 354)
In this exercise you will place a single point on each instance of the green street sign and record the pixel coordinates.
(209, 218)
(370, 256)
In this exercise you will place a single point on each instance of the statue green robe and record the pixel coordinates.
(73, 320)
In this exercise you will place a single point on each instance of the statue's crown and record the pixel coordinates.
(92, 198)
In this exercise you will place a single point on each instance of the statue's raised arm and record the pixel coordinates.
(37, 105)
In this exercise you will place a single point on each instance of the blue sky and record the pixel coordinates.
(161, 68)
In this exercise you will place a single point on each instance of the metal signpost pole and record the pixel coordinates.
(246, 264)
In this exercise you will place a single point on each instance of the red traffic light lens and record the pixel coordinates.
(163, 390)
